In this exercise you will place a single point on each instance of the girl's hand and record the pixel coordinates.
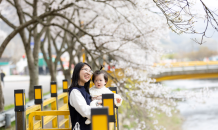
(100, 102)
(118, 100)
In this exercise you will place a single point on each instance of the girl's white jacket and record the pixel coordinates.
(95, 92)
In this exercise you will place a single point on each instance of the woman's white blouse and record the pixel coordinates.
(79, 103)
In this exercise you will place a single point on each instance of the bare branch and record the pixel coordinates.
(22, 26)
(7, 22)
(173, 12)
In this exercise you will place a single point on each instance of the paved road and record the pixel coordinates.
(22, 82)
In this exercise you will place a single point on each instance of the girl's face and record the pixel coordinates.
(99, 81)
(84, 75)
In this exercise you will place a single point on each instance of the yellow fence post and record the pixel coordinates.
(20, 109)
(65, 85)
(114, 90)
(99, 118)
(54, 105)
(108, 101)
(65, 90)
(38, 100)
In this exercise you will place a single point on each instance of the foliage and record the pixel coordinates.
(169, 56)
(143, 101)
(199, 55)
(121, 33)
(8, 107)
(13, 124)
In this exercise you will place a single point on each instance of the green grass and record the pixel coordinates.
(170, 123)
(11, 128)
(12, 105)
(178, 89)
(8, 107)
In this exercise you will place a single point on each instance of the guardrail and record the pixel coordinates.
(24, 113)
(21, 112)
(99, 118)
(191, 63)
(187, 70)
(8, 116)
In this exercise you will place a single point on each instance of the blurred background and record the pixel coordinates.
(176, 74)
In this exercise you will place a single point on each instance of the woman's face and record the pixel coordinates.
(84, 75)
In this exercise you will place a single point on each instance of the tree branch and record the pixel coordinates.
(7, 22)
(22, 26)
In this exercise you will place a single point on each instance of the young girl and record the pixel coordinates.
(100, 79)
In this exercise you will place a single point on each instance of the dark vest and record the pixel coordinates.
(74, 115)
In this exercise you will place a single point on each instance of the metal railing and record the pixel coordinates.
(191, 63)
(187, 70)
(24, 113)
(21, 112)
(8, 116)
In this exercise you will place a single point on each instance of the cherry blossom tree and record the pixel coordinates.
(129, 35)
(124, 30)
(128, 32)
(181, 16)
(131, 39)
(26, 18)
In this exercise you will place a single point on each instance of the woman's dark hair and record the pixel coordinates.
(98, 72)
(75, 76)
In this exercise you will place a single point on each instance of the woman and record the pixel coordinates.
(79, 97)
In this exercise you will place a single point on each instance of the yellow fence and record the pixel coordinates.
(191, 63)
(40, 121)
(25, 117)
(202, 74)
(45, 113)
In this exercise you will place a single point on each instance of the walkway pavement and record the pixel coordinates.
(10, 78)
(22, 82)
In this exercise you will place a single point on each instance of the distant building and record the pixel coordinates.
(5, 64)
(21, 67)
(213, 58)
(43, 68)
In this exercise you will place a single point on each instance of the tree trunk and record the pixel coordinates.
(52, 68)
(2, 101)
(34, 78)
(53, 75)
(33, 72)
(67, 75)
